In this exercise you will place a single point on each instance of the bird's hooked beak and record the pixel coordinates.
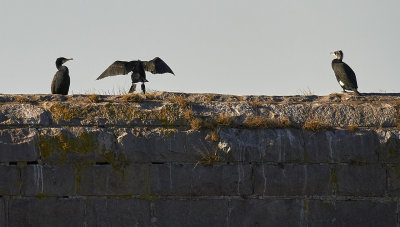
(68, 59)
(334, 54)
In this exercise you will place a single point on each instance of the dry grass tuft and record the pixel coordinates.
(93, 98)
(316, 126)
(150, 96)
(306, 92)
(132, 98)
(255, 104)
(180, 100)
(263, 122)
(352, 128)
(198, 123)
(209, 98)
(64, 112)
(214, 136)
(22, 99)
(281, 122)
(188, 114)
(225, 120)
(255, 122)
(208, 158)
(240, 98)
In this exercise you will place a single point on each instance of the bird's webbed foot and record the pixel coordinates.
(356, 92)
(132, 89)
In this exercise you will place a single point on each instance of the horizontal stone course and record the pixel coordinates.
(103, 180)
(195, 212)
(365, 180)
(39, 180)
(189, 180)
(350, 213)
(45, 212)
(257, 212)
(293, 180)
(190, 212)
(82, 111)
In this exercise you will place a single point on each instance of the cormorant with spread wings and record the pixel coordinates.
(138, 68)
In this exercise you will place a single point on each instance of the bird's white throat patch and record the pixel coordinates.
(341, 83)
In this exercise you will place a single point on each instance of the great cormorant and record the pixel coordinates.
(344, 74)
(138, 68)
(61, 81)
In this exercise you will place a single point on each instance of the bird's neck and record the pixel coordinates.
(337, 60)
(62, 68)
(58, 64)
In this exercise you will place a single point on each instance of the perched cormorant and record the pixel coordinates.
(344, 74)
(138, 69)
(60, 83)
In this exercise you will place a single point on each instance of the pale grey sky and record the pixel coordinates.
(227, 46)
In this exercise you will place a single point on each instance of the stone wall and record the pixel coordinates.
(170, 159)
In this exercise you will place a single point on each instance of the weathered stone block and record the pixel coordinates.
(350, 213)
(296, 113)
(267, 145)
(133, 179)
(10, 181)
(393, 179)
(389, 146)
(365, 180)
(187, 180)
(171, 179)
(341, 146)
(265, 212)
(358, 146)
(318, 146)
(205, 212)
(23, 114)
(39, 180)
(292, 179)
(17, 145)
(46, 212)
(58, 146)
(365, 115)
(117, 212)
(161, 145)
(222, 180)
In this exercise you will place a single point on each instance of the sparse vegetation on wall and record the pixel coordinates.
(315, 126)
(259, 122)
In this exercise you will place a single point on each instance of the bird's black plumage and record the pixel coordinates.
(344, 74)
(61, 80)
(138, 68)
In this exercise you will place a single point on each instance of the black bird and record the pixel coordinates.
(138, 68)
(61, 81)
(344, 74)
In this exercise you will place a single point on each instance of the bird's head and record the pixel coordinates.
(338, 54)
(62, 60)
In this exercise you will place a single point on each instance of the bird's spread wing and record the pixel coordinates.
(157, 66)
(351, 75)
(117, 68)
